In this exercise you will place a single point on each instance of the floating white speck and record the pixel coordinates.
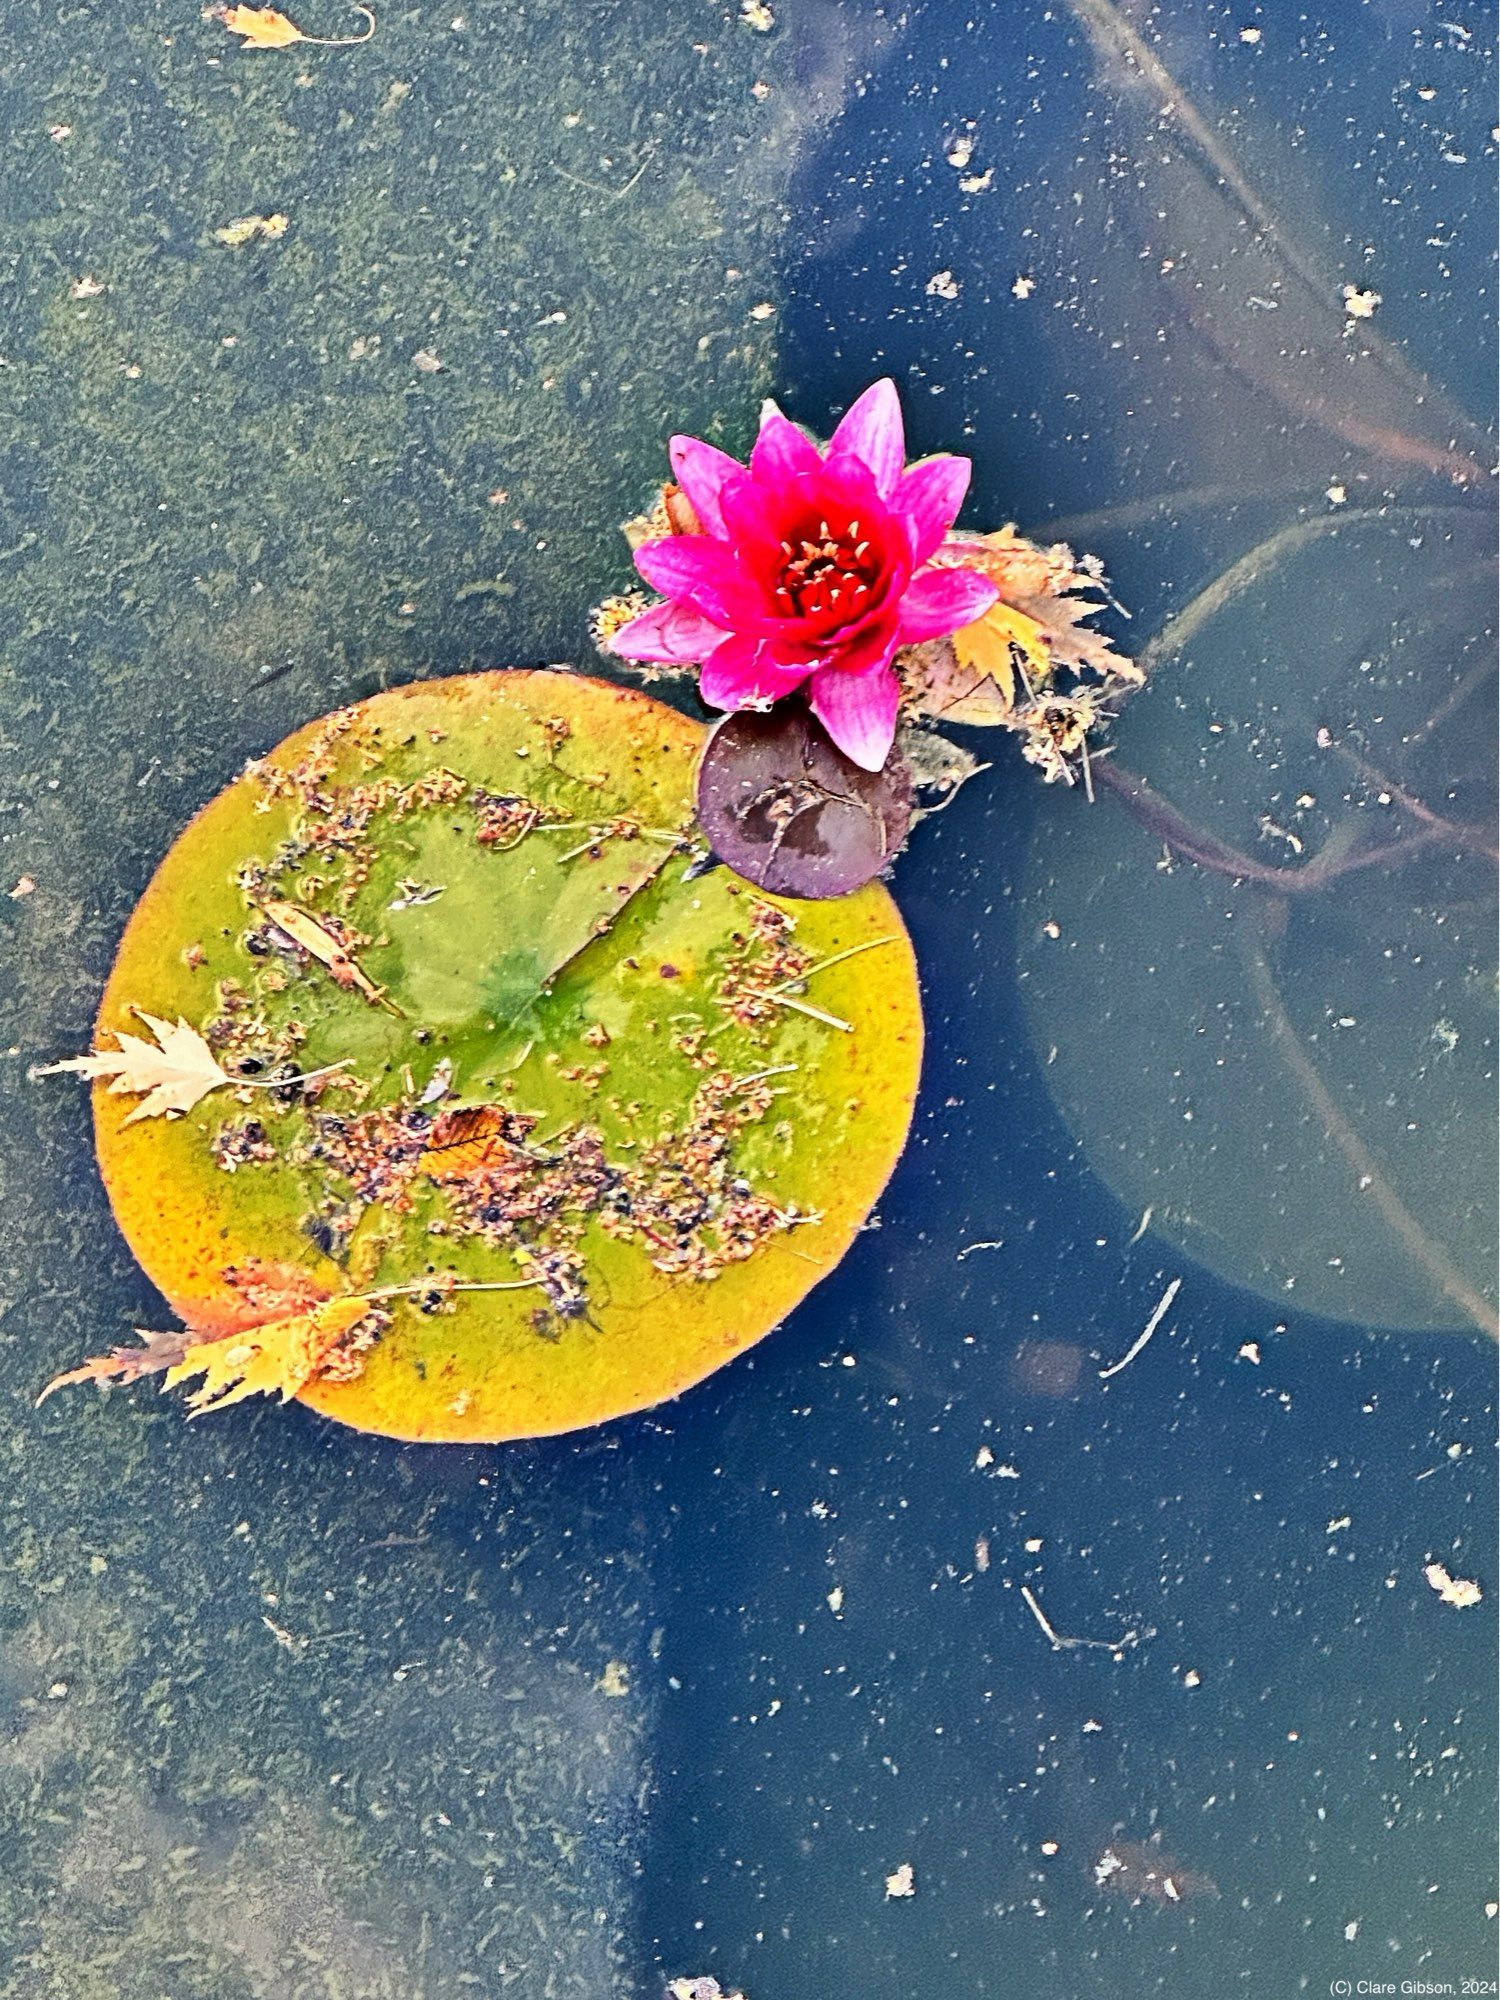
(1459, 1591)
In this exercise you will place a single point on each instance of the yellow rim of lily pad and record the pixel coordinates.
(714, 1084)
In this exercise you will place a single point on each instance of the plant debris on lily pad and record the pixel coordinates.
(789, 811)
(502, 1117)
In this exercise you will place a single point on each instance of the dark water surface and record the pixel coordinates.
(288, 1712)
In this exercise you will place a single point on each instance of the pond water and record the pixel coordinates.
(286, 1711)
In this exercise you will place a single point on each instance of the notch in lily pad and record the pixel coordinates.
(791, 813)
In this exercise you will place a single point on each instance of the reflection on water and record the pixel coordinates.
(287, 1711)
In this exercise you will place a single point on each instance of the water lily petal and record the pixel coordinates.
(940, 601)
(858, 711)
(672, 633)
(928, 500)
(861, 648)
(872, 434)
(701, 470)
(782, 451)
(701, 570)
(740, 673)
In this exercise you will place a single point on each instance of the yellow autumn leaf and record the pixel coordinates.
(264, 28)
(1002, 647)
(277, 1358)
(246, 228)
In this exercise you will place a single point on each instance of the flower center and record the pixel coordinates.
(828, 576)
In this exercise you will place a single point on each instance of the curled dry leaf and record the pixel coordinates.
(170, 1077)
(262, 27)
(246, 228)
(315, 938)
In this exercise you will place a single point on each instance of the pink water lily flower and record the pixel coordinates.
(812, 567)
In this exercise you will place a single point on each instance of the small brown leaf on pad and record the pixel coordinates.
(464, 1140)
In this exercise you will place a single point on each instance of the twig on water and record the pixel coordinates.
(1163, 1307)
(1061, 1642)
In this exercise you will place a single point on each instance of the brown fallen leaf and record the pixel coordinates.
(125, 1364)
(464, 1140)
(315, 938)
(171, 1077)
(264, 28)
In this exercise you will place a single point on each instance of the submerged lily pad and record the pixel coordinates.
(1291, 1076)
(787, 810)
(657, 1106)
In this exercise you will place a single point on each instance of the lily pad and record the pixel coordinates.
(786, 809)
(657, 1105)
(1285, 1064)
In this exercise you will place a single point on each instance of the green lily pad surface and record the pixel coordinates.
(654, 1101)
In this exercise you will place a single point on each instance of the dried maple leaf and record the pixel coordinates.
(125, 1364)
(170, 1077)
(264, 28)
(1013, 652)
(1077, 646)
(278, 1357)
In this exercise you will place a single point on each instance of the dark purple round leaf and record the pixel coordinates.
(789, 812)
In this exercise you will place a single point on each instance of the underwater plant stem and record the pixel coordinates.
(1473, 839)
(1084, 527)
(1249, 568)
(1431, 1256)
(1115, 35)
(1195, 843)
